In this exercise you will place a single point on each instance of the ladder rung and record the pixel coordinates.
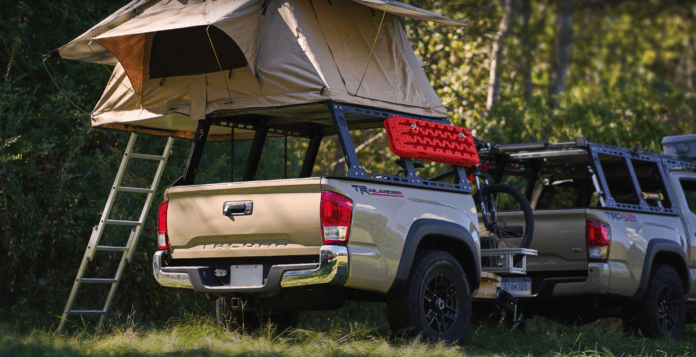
(123, 223)
(88, 312)
(147, 157)
(109, 248)
(99, 280)
(135, 189)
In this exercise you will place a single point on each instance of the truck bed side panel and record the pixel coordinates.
(630, 236)
(382, 217)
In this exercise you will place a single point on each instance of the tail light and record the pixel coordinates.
(162, 236)
(598, 240)
(336, 214)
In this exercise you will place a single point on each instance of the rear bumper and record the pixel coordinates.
(331, 269)
(597, 282)
(594, 282)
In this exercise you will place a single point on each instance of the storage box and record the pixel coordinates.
(683, 146)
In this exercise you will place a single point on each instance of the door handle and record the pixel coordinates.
(238, 208)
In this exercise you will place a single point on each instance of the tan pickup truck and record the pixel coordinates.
(614, 228)
(266, 249)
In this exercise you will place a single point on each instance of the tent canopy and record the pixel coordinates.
(178, 61)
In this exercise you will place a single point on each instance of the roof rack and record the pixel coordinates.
(580, 142)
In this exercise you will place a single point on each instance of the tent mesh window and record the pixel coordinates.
(200, 55)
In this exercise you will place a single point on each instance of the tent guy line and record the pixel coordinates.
(60, 89)
(379, 30)
(218, 61)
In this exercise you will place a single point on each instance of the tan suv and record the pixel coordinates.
(267, 249)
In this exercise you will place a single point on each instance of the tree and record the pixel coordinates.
(562, 50)
(497, 53)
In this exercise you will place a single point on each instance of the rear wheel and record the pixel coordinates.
(436, 300)
(506, 228)
(281, 320)
(662, 311)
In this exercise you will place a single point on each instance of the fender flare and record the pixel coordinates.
(423, 228)
(656, 246)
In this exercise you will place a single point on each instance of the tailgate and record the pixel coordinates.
(283, 220)
(559, 238)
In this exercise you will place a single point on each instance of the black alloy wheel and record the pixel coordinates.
(435, 302)
(667, 308)
(661, 313)
(440, 304)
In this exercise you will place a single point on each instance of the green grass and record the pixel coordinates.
(355, 330)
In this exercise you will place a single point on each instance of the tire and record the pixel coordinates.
(662, 311)
(436, 301)
(281, 320)
(501, 198)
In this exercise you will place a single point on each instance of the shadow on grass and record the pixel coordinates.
(358, 329)
(38, 348)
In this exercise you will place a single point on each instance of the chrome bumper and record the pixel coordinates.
(172, 280)
(332, 269)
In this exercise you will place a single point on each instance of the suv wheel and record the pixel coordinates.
(436, 300)
(662, 311)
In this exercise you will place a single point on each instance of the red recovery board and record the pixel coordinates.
(425, 140)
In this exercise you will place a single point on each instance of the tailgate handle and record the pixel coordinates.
(237, 208)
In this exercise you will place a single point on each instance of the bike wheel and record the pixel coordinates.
(509, 222)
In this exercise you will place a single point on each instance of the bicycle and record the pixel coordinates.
(500, 225)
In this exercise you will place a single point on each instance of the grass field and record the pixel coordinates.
(355, 330)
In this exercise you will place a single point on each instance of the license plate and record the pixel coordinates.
(517, 286)
(246, 275)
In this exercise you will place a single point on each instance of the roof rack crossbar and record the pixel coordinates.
(580, 142)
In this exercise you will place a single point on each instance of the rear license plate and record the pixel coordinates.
(246, 275)
(517, 286)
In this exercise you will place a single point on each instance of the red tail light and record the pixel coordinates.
(336, 214)
(598, 240)
(162, 236)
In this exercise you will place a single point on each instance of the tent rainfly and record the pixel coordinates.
(180, 61)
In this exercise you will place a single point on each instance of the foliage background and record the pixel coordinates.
(630, 81)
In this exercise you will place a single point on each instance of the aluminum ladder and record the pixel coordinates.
(136, 227)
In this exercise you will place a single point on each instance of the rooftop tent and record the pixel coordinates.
(179, 61)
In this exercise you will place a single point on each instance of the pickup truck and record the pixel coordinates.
(614, 231)
(266, 249)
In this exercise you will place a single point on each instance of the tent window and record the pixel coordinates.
(185, 52)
